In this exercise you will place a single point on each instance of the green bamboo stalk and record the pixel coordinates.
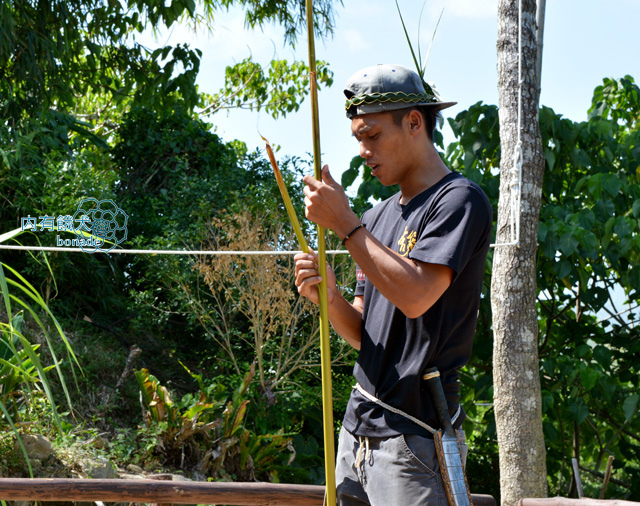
(325, 355)
(287, 200)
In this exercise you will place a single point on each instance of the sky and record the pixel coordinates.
(584, 41)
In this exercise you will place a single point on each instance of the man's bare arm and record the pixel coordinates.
(346, 319)
(410, 285)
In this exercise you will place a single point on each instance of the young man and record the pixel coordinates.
(420, 259)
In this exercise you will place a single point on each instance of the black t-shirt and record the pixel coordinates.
(447, 224)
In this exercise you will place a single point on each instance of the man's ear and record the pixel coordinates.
(416, 122)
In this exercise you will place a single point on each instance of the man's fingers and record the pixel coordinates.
(312, 279)
(308, 286)
(327, 177)
(306, 268)
(303, 257)
(311, 182)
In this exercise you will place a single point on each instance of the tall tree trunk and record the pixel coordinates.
(517, 398)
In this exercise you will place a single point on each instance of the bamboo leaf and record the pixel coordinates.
(33, 293)
(5, 292)
(28, 348)
(10, 235)
(415, 60)
(51, 348)
(29, 287)
(424, 66)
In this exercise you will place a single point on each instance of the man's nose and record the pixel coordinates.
(365, 152)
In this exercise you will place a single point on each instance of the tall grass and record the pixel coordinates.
(23, 376)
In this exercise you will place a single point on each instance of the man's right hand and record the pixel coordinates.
(345, 317)
(308, 277)
(327, 204)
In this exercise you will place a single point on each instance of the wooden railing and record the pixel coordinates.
(171, 492)
(563, 501)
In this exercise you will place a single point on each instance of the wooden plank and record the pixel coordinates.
(483, 500)
(563, 501)
(152, 491)
(172, 492)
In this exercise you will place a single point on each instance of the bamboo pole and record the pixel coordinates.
(607, 476)
(576, 475)
(325, 357)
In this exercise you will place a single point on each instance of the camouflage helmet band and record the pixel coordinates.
(394, 97)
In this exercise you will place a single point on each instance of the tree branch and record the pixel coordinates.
(601, 476)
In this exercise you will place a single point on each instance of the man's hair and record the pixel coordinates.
(430, 116)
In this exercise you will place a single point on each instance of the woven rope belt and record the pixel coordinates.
(402, 413)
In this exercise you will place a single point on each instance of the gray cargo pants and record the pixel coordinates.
(389, 471)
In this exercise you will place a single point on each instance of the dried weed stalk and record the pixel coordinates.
(284, 326)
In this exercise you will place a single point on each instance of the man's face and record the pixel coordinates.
(383, 145)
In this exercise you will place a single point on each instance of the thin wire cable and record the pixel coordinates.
(163, 252)
(515, 184)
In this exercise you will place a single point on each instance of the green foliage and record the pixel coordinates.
(587, 249)
(69, 70)
(175, 176)
(80, 100)
(589, 243)
(178, 423)
(169, 158)
(290, 14)
(17, 366)
(23, 377)
(211, 427)
(20, 356)
(279, 91)
(52, 52)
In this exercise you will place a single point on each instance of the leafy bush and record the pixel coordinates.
(208, 431)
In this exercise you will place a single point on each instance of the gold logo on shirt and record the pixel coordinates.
(407, 241)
